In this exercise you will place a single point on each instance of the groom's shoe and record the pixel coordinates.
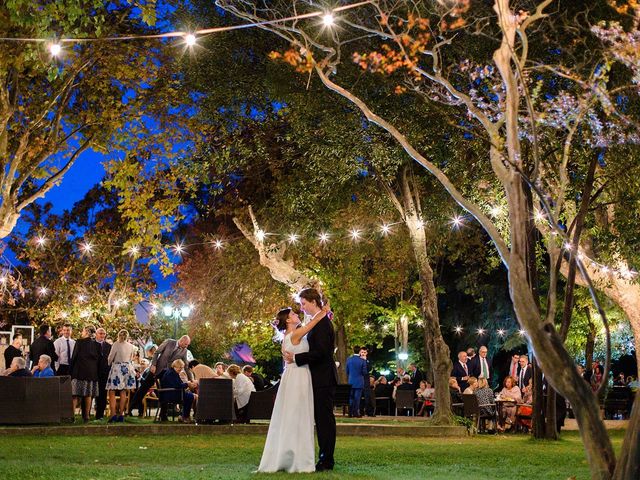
(322, 467)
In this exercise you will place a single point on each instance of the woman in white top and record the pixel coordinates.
(242, 388)
(122, 376)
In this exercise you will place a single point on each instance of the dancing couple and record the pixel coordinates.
(306, 392)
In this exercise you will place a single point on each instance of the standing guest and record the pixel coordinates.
(14, 350)
(461, 370)
(163, 358)
(43, 345)
(103, 372)
(367, 392)
(200, 370)
(416, 375)
(480, 365)
(356, 370)
(18, 368)
(122, 375)
(84, 371)
(471, 354)
(400, 372)
(510, 392)
(43, 367)
(596, 378)
(170, 378)
(514, 366)
(525, 372)
(64, 346)
(242, 388)
(473, 384)
(256, 378)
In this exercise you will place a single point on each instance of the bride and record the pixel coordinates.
(290, 442)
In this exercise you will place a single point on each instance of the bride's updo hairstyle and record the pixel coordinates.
(280, 322)
(311, 295)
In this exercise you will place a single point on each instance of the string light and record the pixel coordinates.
(217, 244)
(481, 331)
(178, 248)
(420, 323)
(42, 291)
(86, 247)
(190, 39)
(501, 332)
(328, 20)
(40, 241)
(260, 235)
(355, 234)
(81, 298)
(293, 238)
(458, 329)
(456, 221)
(367, 326)
(55, 49)
(235, 324)
(385, 229)
(495, 211)
(420, 223)
(134, 251)
(324, 237)
(538, 215)
(521, 332)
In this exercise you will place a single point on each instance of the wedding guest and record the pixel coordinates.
(525, 372)
(486, 399)
(473, 384)
(256, 378)
(527, 393)
(242, 388)
(370, 399)
(103, 372)
(43, 367)
(221, 370)
(510, 392)
(461, 370)
(425, 395)
(456, 396)
(18, 368)
(480, 365)
(514, 365)
(14, 350)
(471, 354)
(64, 346)
(367, 391)
(200, 370)
(170, 378)
(84, 371)
(43, 345)
(416, 375)
(356, 369)
(122, 375)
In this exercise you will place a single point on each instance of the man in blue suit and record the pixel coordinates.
(356, 371)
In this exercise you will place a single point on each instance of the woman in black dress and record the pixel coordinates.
(84, 371)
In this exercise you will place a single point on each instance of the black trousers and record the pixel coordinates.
(101, 399)
(323, 398)
(63, 370)
(146, 383)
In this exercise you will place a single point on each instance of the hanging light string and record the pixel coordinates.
(328, 20)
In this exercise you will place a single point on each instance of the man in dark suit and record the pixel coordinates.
(324, 375)
(416, 376)
(356, 371)
(461, 371)
(43, 345)
(524, 372)
(480, 365)
(103, 372)
(14, 350)
(256, 378)
(167, 352)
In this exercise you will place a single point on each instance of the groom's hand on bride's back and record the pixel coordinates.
(288, 357)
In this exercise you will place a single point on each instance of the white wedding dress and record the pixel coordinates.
(290, 442)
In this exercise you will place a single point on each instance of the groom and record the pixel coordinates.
(324, 375)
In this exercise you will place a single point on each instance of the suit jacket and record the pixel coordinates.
(103, 364)
(416, 378)
(258, 381)
(42, 346)
(459, 372)
(10, 353)
(475, 370)
(356, 371)
(169, 378)
(84, 362)
(322, 341)
(167, 352)
(523, 378)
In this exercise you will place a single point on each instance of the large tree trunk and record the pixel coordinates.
(628, 466)
(341, 350)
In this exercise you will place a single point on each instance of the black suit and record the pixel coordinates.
(10, 353)
(103, 376)
(459, 372)
(324, 377)
(416, 378)
(524, 377)
(475, 370)
(42, 346)
(258, 381)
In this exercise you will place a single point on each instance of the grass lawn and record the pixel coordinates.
(237, 456)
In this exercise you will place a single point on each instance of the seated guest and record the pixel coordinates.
(425, 398)
(485, 398)
(256, 378)
(18, 368)
(473, 384)
(510, 392)
(527, 393)
(454, 390)
(43, 368)
(200, 370)
(620, 381)
(221, 370)
(170, 378)
(383, 390)
(242, 388)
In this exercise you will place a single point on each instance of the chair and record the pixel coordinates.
(342, 397)
(260, 406)
(172, 397)
(215, 400)
(524, 413)
(472, 409)
(404, 401)
(618, 402)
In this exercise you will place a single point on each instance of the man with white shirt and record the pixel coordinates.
(525, 372)
(480, 365)
(461, 371)
(64, 350)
